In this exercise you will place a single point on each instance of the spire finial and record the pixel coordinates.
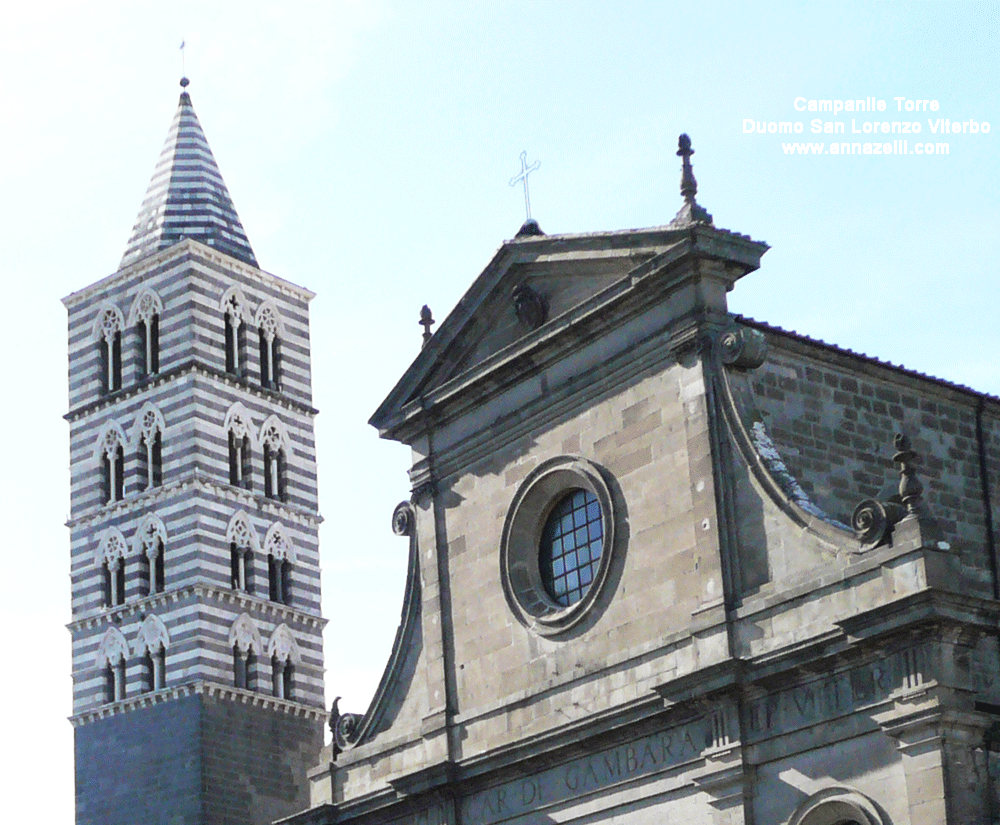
(426, 320)
(689, 186)
(184, 80)
(691, 212)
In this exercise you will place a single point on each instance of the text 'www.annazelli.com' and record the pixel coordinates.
(895, 147)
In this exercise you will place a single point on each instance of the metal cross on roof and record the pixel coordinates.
(523, 177)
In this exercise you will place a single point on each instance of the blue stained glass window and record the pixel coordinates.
(571, 546)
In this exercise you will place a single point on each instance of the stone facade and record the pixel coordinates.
(793, 618)
(196, 620)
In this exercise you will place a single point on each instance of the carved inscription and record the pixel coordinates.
(841, 693)
(432, 815)
(645, 756)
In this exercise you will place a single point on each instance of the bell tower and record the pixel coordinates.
(196, 624)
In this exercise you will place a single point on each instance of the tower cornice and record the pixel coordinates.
(196, 367)
(199, 688)
(246, 602)
(187, 249)
(196, 482)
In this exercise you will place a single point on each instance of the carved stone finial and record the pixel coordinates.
(426, 321)
(529, 307)
(910, 488)
(690, 212)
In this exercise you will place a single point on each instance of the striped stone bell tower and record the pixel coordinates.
(196, 624)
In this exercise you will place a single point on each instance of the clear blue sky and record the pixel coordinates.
(368, 149)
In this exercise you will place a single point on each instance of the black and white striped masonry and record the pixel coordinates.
(187, 197)
(196, 622)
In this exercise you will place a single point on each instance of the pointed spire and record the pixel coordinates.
(187, 197)
(691, 212)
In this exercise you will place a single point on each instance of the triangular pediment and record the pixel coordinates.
(499, 317)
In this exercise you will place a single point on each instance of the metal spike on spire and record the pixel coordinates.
(691, 212)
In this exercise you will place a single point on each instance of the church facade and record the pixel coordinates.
(196, 623)
(667, 564)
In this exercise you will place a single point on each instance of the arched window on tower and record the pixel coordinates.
(108, 334)
(145, 318)
(235, 312)
(110, 556)
(151, 645)
(275, 442)
(112, 655)
(269, 329)
(244, 638)
(111, 450)
(149, 544)
(284, 654)
(148, 435)
(242, 545)
(280, 557)
(238, 427)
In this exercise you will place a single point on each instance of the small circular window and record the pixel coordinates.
(571, 547)
(557, 543)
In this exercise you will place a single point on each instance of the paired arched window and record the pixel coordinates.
(112, 558)
(148, 437)
(145, 318)
(269, 329)
(111, 553)
(244, 638)
(147, 440)
(234, 309)
(284, 654)
(108, 333)
(112, 456)
(275, 441)
(242, 544)
(280, 557)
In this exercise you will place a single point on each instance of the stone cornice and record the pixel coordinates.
(189, 367)
(199, 688)
(186, 249)
(198, 483)
(199, 592)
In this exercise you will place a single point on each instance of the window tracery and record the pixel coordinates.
(242, 544)
(275, 440)
(148, 436)
(284, 653)
(149, 543)
(280, 557)
(238, 426)
(244, 639)
(112, 654)
(111, 451)
(145, 317)
(270, 331)
(235, 312)
(110, 557)
(151, 645)
(108, 328)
